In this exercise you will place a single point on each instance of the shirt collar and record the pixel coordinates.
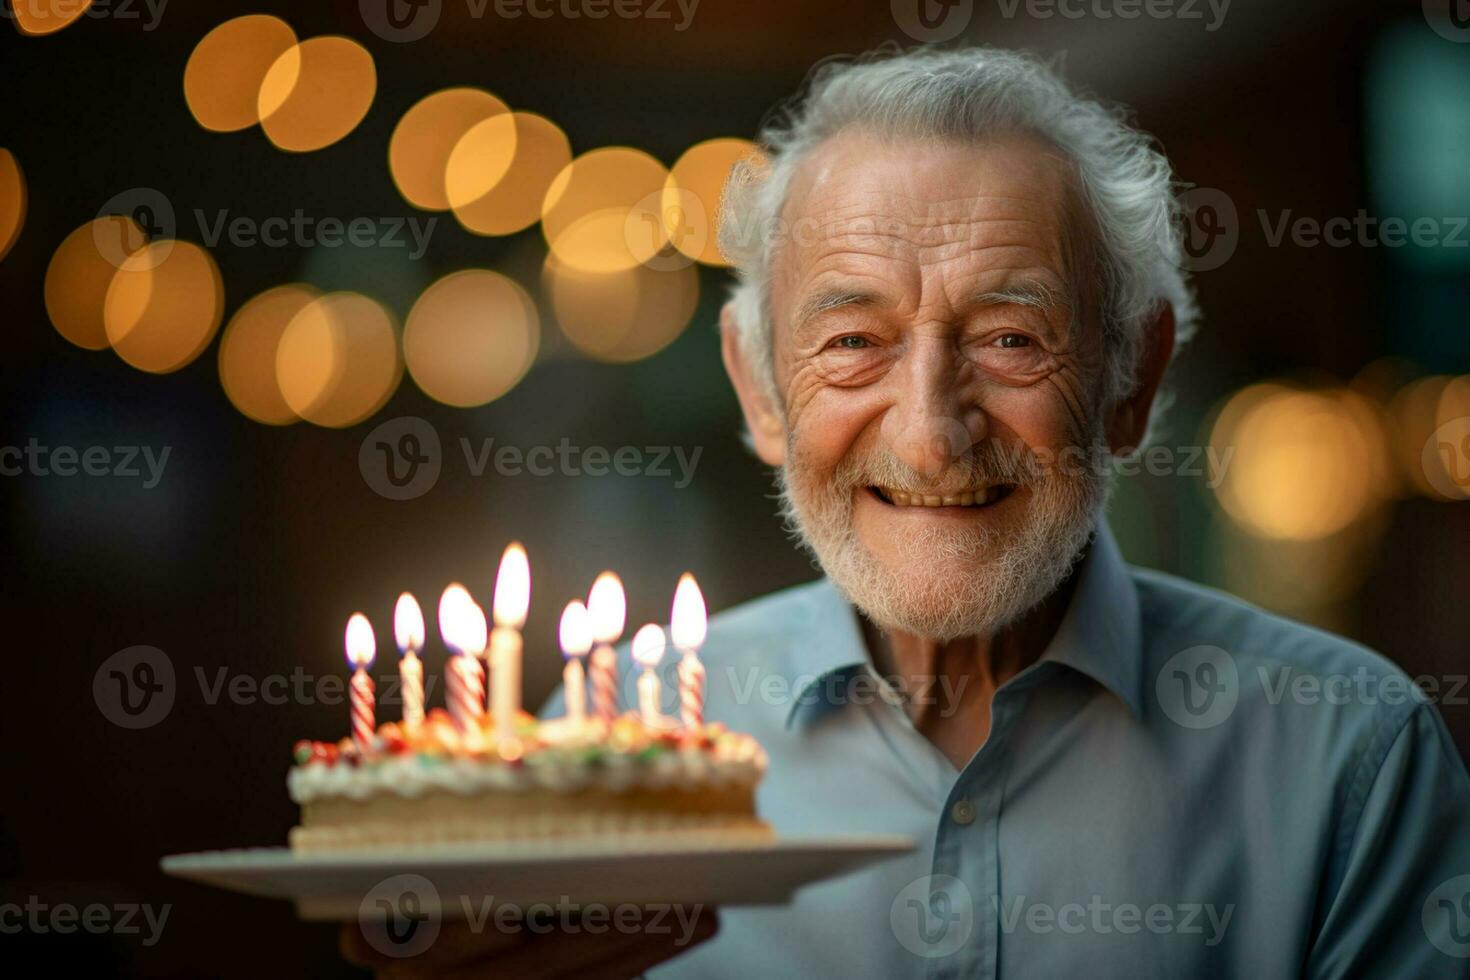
(1099, 635)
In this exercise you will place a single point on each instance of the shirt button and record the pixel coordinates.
(963, 812)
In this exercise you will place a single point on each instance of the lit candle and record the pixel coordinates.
(648, 649)
(606, 608)
(361, 646)
(512, 598)
(462, 624)
(408, 630)
(576, 640)
(688, 623)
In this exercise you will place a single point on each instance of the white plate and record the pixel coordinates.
(335, 887)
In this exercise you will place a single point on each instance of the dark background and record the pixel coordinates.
(260, 541)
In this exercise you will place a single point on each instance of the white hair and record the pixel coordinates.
(1124, 183)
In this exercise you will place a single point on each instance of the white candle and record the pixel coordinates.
(408, 630)
(648, 649)
(361, 647)
(689, 623)
(607, 609)
(576, 640)
(512, 600)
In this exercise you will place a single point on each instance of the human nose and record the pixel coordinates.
(936, 417)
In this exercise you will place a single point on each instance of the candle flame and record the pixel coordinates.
(607, 608)
(648, 645)
(688, 622)
(361, 645)
(457, 615)
(512, 588)
(408, 624)
(576, 630)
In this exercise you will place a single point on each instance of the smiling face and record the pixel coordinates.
(930, 345)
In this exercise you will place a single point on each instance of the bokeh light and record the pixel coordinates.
(691, 198)
(1413, 416)
(316, 93)
(419, 151)
(471, 337)
(585, 213)
(247, 352)
(1450, 452)
(12, 200)
(539, 151)
(1302, 464)
(223, 79)
(46, 17)
(338, 361)
(164, 305)
(80, 273)
(621, 316)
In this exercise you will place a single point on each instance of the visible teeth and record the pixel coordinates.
(970, 498)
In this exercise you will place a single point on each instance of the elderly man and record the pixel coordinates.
(959, 290)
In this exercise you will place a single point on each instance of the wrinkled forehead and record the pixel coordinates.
(916, 200)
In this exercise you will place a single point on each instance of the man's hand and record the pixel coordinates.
(462, 952)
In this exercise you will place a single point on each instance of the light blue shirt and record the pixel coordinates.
(1183, 786)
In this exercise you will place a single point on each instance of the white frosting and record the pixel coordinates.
(412, 776)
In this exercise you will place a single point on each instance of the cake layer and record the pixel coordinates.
(450, 818)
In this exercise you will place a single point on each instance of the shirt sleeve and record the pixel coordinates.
(1402, 908)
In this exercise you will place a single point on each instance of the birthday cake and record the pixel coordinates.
(491, 773)
(434, 786)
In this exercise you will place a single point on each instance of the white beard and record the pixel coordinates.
(946, 586)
